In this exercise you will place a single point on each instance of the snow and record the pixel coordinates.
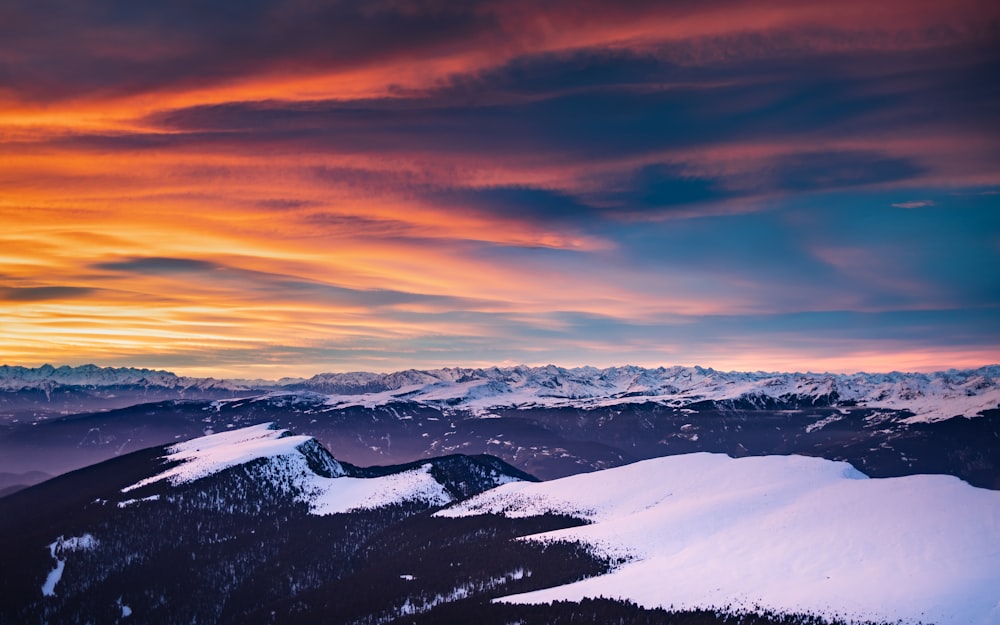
(930, 397)
(346, 494)
(60, 547)
(201, 457)
(132, 502)
(49, 587)
(822, 423)
(289, 469)
(784, 532)
(77, 543)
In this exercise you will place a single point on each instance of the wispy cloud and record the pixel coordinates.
(915, 204)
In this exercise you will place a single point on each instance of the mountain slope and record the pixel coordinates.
(201, 530)
(783, 532)
(304, 469)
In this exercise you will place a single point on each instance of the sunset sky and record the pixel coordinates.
(269, 188)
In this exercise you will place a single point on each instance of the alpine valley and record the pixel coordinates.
(680, 495)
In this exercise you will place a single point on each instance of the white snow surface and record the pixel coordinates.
(204, 456)
(49, 587)
(785, 532)
(288, 468)
(132, 502)
(59, 548)
(345, 494)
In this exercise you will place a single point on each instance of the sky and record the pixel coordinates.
(267, 188)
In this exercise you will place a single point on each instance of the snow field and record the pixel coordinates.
(784, 532)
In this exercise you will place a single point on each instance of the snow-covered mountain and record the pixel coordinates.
(784, 532)
(300, 466)
(47, 391)
(48, 377)
(228, 528)
(926, 396)
(548, 421)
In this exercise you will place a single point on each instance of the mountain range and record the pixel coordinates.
(261, 525)
(547, 421)
(926, 396)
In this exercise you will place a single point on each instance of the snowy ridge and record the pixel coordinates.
(48, 377)
(201, 457)
(786, 532)
(930, 397)
(298, 465)
(344, 494)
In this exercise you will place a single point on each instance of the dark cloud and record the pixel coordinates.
(834, 170)
(44, 293)
(371, 181)
(284, 204)
(650, 188)
(600, 105)
(515, 202)
(157, 265)
(548, 74)
(55, 50)
(664, 185)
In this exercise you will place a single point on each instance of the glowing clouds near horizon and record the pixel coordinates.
(290, 187)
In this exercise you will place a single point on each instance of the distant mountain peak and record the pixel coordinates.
(928, 396)
(13, 378)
